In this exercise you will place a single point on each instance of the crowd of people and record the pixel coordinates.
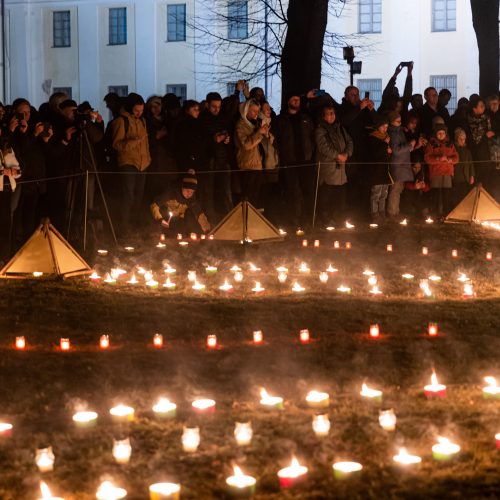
(185, 165)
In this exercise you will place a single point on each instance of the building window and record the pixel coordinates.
(444, 15)
(65, 90)
(372, 85)
(440, 82)
(118, 26)
(121, 90)
(179, 89)
(370, 16)
(237, 19)
(61, 28)
(176, 23)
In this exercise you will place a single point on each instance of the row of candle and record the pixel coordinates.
(212, 341)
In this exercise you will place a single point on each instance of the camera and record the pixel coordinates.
(406, 64)
(81, 119)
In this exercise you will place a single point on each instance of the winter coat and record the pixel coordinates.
(295, 138)
(332, 140)
(129, 150)
(247, 140)
(434, 151)
(401, 155)
(356, 121)
(378, 154)
(476, 129)
(464, 169)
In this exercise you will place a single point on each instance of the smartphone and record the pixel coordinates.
(20, 116)
(406, 64)
(319, 92)
(367, 95)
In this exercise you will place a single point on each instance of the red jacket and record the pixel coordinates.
(434, 151)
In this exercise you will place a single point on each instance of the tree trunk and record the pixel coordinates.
(485, 22)
(303, 48)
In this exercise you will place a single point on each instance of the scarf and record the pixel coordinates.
(478, 126)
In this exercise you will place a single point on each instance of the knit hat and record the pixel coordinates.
(189, 180)
(440, 127)
(379, 120)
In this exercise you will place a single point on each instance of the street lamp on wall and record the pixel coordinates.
(354, 66)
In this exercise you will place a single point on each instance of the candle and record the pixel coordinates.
(305, 243)
(463, 278)
(491, 391)
(434, 389)
(282, 277)
(152, 283)
(348, 225)
(122, 451)
(444, 449)
(374, 331)
(190, 439)
(404, 458)
(158, 340)
(258, 337)
(316, 399)
(203, 406)
(331, 269)
(373, 226)
(344, 470)
(297, 288)
(432, 329)
(454, 253)
(20, 343)
(323, 277)
(211, 269)
(336, 244)
(375, 290)
(193, 236)
(133, 280)
(44, 459)
(407, 276)
(128, 249)
(253, 268)
(387, 420)
(85, 419)
(164, 491)
(429, 220)
(304, 336)
(348, 245)
(102, 252)
(489, 255)
(243, 433)
(183, 243)
(371, 394)
(330, 228)
(169, 285)
(304, 268)
(299, 232)
(404, 222)
(169, 269)
(64, 344)
(240, 485)
(122, 413)
(497, 439)
(46, 493)
(321, 425)
(372, 280)
(198, 286)
(343, 289)
(469, 291)
(426, 289)
(5, 429)
(226, 287)
(271, 402)
(293, 474)
(282, 269)
(258, 288)
(108, 491)
(282, 232)
(316, 243)
(179, 236)
(94, 276)
(238, 277)
(104, 341)
(164, 408)
(235, 269)
(425, 251)
(109, 279)
(389, 247)
(435, 277)
(212, 341)
(37, 274)
(367, 272)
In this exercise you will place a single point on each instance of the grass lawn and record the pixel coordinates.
(42, 387)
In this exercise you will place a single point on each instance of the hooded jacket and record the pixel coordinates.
(247, 140)
(434, 151)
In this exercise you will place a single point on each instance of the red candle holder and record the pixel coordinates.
(305, 243)
(305, 336)
(258, 337)
(158, 340)
(316, 243)
(348, 245)
(374, 331)
(489, 255)
(432, 329)
(104, 342)
(454, 253)
(389, 247)
(497, 439)
(212, 341)
(336, 245)
(20, 343)
(425, 251)
(64, 344)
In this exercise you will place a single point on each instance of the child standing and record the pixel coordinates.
(463, 177)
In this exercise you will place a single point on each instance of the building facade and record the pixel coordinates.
(91, 47)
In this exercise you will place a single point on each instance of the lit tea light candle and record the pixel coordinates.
(211, 269)
(44, 459)
(104, 342)
(122, 450)
(160, 245)
(133, 280)
(375, 290)
(454, 253)
(434, 389)
(368, 272)
(122, 413)
(404, 458)
(162, 237)
(5, 429)
(235, 269)
(117, 272)
(425, 251)
(343, 289)
(158, 340)
(497, 439)
(463, 278)
(183, 243)
(268, 401)
(336, 244)
(305, 243)
(426, 289)
(142, 271)
(102, 252)
(323, 277)
(164, 408)
(129, 249)
(85, 419)
(37, 274)
(330, 228)
(243, 433)
(238, 277)
(321, 425)
(282, 277)
(94, 276)
(387, 420)
(253, 268)
(304, 336)
(372, 280)
(109, 279)
(374, 331)
(193, 236)
(282, 232)
(345, 470)
(292, 475)
(108, 491)
(212, 341)
(258, 337)
(317, 399)
(432, 329)
(348, 225)
(407, 276)
(389, 247)
(20, 343)
(491, 391)
(373, 226)
(282, 269)
(331, 269)
(429, 220)
(148, 275)
(435, 278)
(198, 286)
(226, 287)
(190, 439)
(258, 288)
(489, 255)
(468, 291)
(64, 344)
(316, 243)
(297, 288)
(404, 222)
(164, 491)
(169, 285)
(444, 449)
(169, 269)
(299, 232)
(179, 236)
(241, 485)
(203, 406)
(348, 245)
(371, 394)
(152, 283)
(46, 493)
(304, 268)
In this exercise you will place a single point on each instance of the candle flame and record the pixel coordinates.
(237, 471)
(443, 440)
(295, 463)
(491, 381)
(434, 379)
(264, 394)
(46, 493)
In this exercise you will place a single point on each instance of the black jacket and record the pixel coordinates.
(295, 138)
(379, 169)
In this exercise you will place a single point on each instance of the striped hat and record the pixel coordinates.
(189, 180)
